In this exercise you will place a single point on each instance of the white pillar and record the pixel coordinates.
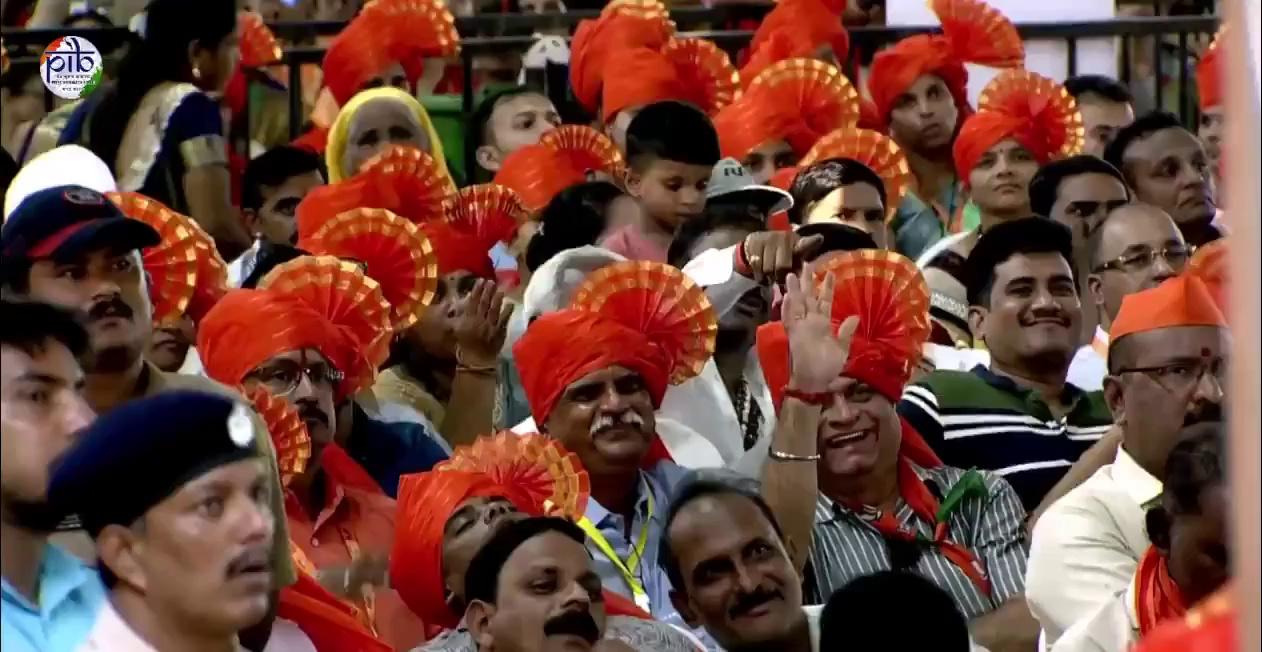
(1046, 57)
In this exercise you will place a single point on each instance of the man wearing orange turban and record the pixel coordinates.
(1210, 93)
(919, 90)
(796, 29)
(1167, 356)
(838, 363)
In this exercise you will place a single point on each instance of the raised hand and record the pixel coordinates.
(774, 254)
(481, 325)
(817, 351)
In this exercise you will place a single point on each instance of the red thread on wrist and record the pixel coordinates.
(740, 262)
(819, 399)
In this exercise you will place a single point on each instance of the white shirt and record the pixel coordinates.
(1086, 547)
(112, 634)
(1112, 627)
(1089, 367)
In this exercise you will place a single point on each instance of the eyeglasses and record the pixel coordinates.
(1139, 261)
(282, 377)
(1182, 377)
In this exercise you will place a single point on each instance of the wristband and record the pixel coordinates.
(818, 399)
(740, 264)
(790, 457)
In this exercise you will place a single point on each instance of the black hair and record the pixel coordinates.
(270, 256)
(480, 124)
(1046, 182)
(1029, 235)
(673, 131)
(574, 218)
(865, 613)
(713, 218)
(1194, 465)
(814, 183)
(171, 26)
(482, 580)
(837, 237)
(8, 170)
(29, 326)
(699, 484)
(1141, 128)
(1099, 85)
(273, 168)
(18, 75)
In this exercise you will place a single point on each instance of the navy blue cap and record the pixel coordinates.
(142, 452)
(65, 221)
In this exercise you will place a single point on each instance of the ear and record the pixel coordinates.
(685, 609)
(119, 549)
(634, 183)
(250, 218)
(1095, 287)
(477, 617)
(977, 321)
(488, 158)
(1157, 521)
(1115, 398)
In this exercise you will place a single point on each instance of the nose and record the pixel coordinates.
(78, 415)
(1161, 269)
(1208, 389)
(255, 523)
(496, 510)
(746, 580)
(925, 108)
(106, 289)
(613, 401)
(305, 388)
(841, 413)
(576, 598)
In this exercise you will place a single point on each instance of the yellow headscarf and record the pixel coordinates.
(340, 133)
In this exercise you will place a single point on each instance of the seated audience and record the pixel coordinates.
(275, 183)
(508, 120)
(844, 191)
(1106, 107)
(869, 614)
(371, 122)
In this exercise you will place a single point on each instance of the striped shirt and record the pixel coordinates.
(846, 545)
(978, 419)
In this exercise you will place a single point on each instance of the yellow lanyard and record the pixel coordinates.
(625, 568)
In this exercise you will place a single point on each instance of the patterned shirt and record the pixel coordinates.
(978, 419)
(847, 546)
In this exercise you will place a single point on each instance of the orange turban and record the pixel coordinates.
(891, 299)
(607, 39)
(562, 158)
(248, 327)
(795, 29)
(353, 57)
(686, 70)
(647, 317)
(1181, 301)
(972, 32)
(797, 100)
(1027, 107)
(1209, 77)
(425, 502)
(458, 251)
(385, 32)
(474, 221)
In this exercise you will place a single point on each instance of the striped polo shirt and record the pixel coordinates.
(978, 419)
(845, 545)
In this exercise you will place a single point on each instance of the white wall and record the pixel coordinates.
(1045, 57)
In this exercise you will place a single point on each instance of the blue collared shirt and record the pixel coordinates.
(70, 597)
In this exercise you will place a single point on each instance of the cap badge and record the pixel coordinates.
(240, 427)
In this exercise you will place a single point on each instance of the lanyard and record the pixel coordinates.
(625, 568)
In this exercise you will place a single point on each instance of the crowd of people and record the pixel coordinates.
(752, 358)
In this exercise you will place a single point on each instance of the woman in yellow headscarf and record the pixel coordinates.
(372, 121)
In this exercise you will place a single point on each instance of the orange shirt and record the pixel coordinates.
(354, 522)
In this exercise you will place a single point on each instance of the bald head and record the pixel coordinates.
(1125, 254)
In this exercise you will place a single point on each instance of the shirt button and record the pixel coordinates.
(315, 543)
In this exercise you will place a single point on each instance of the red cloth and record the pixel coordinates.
(248, 327)
(752, 121)
(1209, 79)
(598, 42)
(984, 130)
(562, 347)
(1208, 627)
(1157, 597)
(355, 56)
(537, 173)
(795, 28)
(643, 76)
(314, 140)
(326, 620)
(458, 251)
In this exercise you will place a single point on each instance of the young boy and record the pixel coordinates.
(671, 149)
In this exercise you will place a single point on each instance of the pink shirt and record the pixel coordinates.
(112, 634)
(634, 245)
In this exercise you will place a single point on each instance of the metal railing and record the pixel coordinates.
(1169, 38)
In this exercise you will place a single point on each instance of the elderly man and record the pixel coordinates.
(184, 544)
(884, 501)
(340, 517)
(1167, 166)
(1167, 365)
(50, 599)
(71, 247)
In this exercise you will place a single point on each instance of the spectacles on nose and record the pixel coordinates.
(1181, 378)
(282, 377)
(1175, 257)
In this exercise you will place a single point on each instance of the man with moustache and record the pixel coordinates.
(50, 598)
(1019, 417)
(1167, 370)
(726, 558)
(1167, 167)
(183, 544)
(531, 588)
(71, 247)
(838, 363)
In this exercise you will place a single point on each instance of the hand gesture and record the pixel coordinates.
(773, 254)
(481, 325)
(817, 350)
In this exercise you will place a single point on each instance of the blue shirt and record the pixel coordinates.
(70, 596)
(389, 450)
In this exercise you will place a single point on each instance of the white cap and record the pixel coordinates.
(65, 165)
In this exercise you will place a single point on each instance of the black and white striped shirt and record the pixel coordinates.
(846, 546)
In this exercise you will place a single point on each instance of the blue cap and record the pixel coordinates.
(142, 452)
(65, 221)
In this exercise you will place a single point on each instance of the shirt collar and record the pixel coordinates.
(1069, 395)
(1134, 481)
(598, 515)
(336, 505)
(60, 576)
(828, 510)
